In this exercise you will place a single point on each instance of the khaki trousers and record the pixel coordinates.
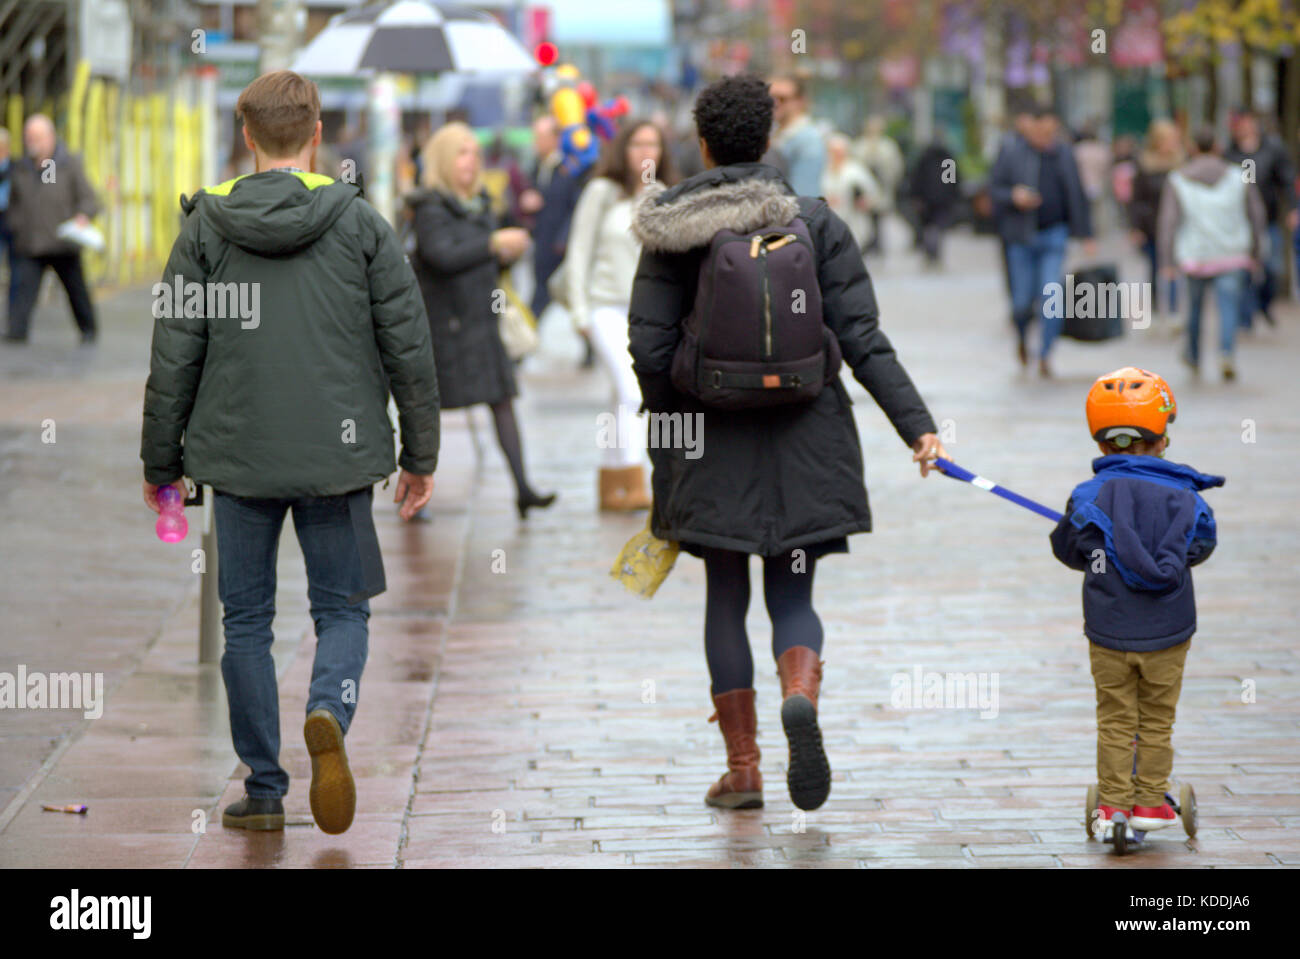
(1137, 694)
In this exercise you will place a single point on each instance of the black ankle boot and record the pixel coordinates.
(532, 499)
(255, 814)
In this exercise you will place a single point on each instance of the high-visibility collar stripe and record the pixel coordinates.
(310, 180)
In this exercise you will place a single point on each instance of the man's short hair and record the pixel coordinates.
(1042, 109)
(280, 111)
(734, 117)
(1204, 139)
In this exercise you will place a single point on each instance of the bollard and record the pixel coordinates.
(209, 598)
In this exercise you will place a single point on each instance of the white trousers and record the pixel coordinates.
(624, 445)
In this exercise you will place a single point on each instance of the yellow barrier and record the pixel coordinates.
(14, 122)
(140, 152)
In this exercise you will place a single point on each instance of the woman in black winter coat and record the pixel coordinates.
(784, 482)
(460, 252)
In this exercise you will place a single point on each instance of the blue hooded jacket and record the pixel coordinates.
(1147, 517)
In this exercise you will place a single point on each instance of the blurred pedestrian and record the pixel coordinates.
(1039, 204)
(850, 190)
(1213, 227)
(781, 481)
(281, 404)
(1162, 154)
(599, 269)
(504, 179)
(6, 239)
(1093, 158)
(933, 189)
(799, 139)
(686, 153)
(352, 154)
(879, 153)
(461, 249)
(47, 188)
(1263, 161)
(1014, 139)
(1123, 168)
(557, 192)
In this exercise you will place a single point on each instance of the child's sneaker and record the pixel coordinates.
(1104, 815)
(1149, 818)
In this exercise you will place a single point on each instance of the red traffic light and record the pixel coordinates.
(546, 53)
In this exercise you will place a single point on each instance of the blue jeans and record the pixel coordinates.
(1258, 297)
(1228, 295)
(1032, 267)
(248, 538)
(1171, 301)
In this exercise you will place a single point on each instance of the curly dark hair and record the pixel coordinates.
(734, 116)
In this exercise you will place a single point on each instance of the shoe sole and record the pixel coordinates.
(333, 793)
(263, 822)
(1150, 825)
(736, 801)
(809, 775)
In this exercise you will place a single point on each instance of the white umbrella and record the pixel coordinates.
(413, 36)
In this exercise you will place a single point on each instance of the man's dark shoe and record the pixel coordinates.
(261, 815)
(12, 338)
(88, 337)
(333, 793)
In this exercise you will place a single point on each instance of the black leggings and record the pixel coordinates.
(788, 595)
(503, 416)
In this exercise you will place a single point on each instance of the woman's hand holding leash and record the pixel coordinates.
(927, 449)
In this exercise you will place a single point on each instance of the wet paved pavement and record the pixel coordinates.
(536, 715)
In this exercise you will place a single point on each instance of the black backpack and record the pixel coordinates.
(755, 336)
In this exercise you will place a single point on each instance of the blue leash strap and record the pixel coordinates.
(949, 468)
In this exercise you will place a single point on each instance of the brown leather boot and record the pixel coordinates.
(611, 489)
(635, 495)
(623, 489)
(741, 786)
(808, 773)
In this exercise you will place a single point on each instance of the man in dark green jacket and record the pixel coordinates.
(286, 314)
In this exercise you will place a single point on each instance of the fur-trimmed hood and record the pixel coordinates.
(740, 197)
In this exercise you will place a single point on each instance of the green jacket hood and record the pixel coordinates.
(273, 213)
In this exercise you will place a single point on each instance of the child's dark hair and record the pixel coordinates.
(734, 117)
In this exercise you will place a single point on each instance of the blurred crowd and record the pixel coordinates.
(1208, 217)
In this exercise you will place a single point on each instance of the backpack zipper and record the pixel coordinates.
(767, 303)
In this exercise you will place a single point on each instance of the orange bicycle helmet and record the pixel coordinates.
(1130, 404)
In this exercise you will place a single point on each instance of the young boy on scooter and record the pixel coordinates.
(1135, 529)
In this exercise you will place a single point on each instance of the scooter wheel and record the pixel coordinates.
(1089, 810)
(1187, 807)
(1119, 836)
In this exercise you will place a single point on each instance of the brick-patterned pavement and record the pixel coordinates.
(539, 716)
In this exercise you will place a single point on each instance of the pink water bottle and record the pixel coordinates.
(172, 526)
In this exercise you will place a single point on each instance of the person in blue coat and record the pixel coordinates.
(1135, 529)
(1038, 203)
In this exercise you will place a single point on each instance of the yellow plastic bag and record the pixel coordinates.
(644, 562)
